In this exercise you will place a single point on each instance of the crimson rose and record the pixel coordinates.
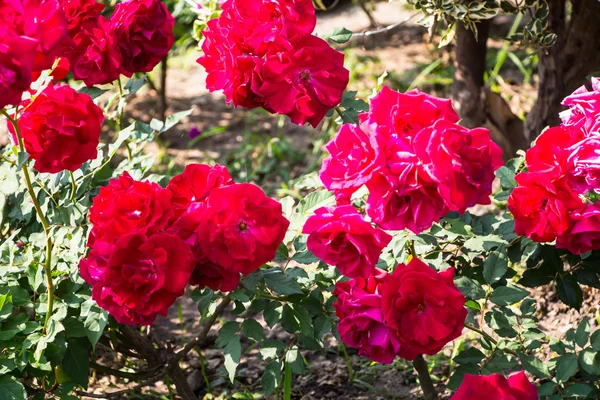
(496, 387)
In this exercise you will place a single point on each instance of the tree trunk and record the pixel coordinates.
(565, 66)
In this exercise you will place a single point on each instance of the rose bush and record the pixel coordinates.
(377, 254)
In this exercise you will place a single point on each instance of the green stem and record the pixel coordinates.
(48, 262)
(340, 112)
(287, 382)
(73, 186)
(7, 160)
(348, 362)
(489, 337)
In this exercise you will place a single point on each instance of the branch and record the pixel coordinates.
(144, 374)
(420, 365)
(490, 338)
(204, 332)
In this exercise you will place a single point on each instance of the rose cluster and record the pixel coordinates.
(415, 310)
(416, 161)
(37, 35)
(262, 53)
(555, 197)
(147, 242)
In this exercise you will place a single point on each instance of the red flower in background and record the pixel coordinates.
(422, 306)
(550, 152)
(138, 277)
(362, 325)
(17, 54)
(61, 129)
(584, 234)
(496, 387)
(128, 206)
(341, 237)
(81, 14)
(144, 32)
(584, 108)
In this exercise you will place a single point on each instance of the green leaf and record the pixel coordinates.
(315, 200)
(507, 295)
(589, 361)
(495, 266)
(271, 377)
(272, 313)
(227, 333)
(595, 340)
(93, 91)
(11, 389)
(280, 283)
(340, 35)
(253, 330)
(270, 349)
(470, 355)
(174, 119)
(95, 322)
(305, 257)
(233, 353)
(507, 177)
(578, 390)
(534, 366)
(566, 367)
(546, 389)
(22, 158)
(583, 332)
(569, 291)
(295, 360)
(470, 288)
(76, 363)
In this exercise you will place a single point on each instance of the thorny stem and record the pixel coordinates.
(48, 262)
(420, 365)
(490, 338)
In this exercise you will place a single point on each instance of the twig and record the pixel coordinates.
(490, 338)
(387, 28)
(420, 365)
(204, 332)
(125, 375)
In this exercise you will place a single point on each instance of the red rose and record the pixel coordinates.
(61, 129)
(341, 237)
(241, 227)
(42, 20)
(128, 206)
(195, 184)
(94, 54)
(138, 277)
(584, 235)
(423, 307)
(353, 158)
(306, 82)
(81, 14)
(583, 168)
(549, 153)
(496, 387)
(206, 273)
(17, 54)
(59, 70)
(361, 319)
(542, 208)
(144, 30)
(461, 160)
(405, 114)
(407, 201)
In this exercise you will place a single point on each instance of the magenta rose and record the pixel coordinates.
(195, 183)
(127, 206)
(17, 54)
(423, 307)
(341, 237)
(496, 387)
(144, 31)
(81, 13)
(305, 82)
(584, 108)
(408, 201)
(542, 209)
(353, 158)
(462, 161)
(94, 54)
(584, 234)
(361, 319)
(550, 152)
(138, 277)
(241, 228)
(583, 164)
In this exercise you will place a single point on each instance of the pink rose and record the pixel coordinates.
(407, 201)
(341, 237)
(17, 54)
(584, 108)
(138, 277)
(496, 387)
(94, 54)
(144, 31)
(584, 234)
(353, 158)
(195, 183)
(583, 164)
(461, 160)
(361, 319)
(542, 208)
(423, 307)
(305, 82)
(549, 153)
